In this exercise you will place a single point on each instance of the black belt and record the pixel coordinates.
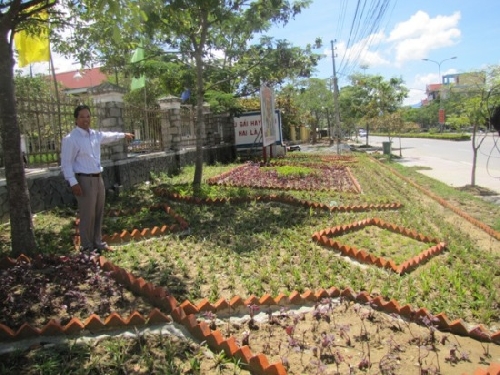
(88, 174)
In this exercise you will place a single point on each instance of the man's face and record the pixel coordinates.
(83, 119)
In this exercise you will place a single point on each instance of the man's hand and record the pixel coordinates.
(129, 136)
(77, 190)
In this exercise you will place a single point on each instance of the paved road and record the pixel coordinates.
(450, 161)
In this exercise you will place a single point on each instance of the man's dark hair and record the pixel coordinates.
(81, 107)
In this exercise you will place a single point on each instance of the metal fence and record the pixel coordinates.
(43, 124)
(145, 123)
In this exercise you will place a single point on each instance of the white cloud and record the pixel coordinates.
(359, 53)
(415, 96)
(415, 38)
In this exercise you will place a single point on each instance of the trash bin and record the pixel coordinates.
(387, 147)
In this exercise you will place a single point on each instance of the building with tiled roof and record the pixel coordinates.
(80, 81)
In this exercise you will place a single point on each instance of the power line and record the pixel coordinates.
(365, 23)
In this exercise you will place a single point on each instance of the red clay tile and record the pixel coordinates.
(266, 299)
(258, 364)
(93, 323)
(114, 320)
(178, 314)
(6, 333)
(308, 295)
(189, 308)
(135, 319)
(282, 299)
(27, 331)
(190, 322)
(229, 346)
(252, 300)
(52, 328)
(203, 305)
(201, 331)
(215, 340)
(275, 369)
(156, 316)
(221, 304)
(334, 292)
(73, 327)
(457, 327)
(137, 285)
(236, 301)
(295, 298)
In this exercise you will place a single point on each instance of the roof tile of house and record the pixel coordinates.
(86, 79)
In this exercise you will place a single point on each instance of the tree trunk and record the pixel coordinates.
(476, 145)
(21, 223)
(200, 121)
(200, 124)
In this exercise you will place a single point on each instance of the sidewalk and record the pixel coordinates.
(453, 173)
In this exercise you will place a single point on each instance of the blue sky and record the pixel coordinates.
(408, 32)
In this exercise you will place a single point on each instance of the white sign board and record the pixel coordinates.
(267, 110)
(248, 129)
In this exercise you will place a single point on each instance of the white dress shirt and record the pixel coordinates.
(81, 151)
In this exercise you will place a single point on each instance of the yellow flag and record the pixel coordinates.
(33, 48)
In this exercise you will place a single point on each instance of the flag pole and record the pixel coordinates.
(51, 67)
(146, 110)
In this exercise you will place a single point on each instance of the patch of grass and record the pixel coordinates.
(141, 354)
(291, 171)
(384, 243)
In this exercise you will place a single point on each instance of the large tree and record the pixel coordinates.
(373, 97)
(316, 103)
(14, 15)
(200, 29)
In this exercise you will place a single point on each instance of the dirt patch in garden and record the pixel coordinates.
(336, 336)
(60, 288)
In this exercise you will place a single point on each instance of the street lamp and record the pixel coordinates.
(438, 63)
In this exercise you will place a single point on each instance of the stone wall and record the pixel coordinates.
(48, 189)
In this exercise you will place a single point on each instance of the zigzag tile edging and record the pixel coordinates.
(186, 315)
(162, 192)
(490, 231)
(323, 238)
(158, 296)
(257, 364)
(125, 236)
(136, 234)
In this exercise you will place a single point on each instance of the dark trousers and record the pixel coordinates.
(91, 209)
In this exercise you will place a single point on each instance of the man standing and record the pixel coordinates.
(81, 167)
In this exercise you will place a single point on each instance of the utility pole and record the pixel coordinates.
(441, 115)
(336, 116)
